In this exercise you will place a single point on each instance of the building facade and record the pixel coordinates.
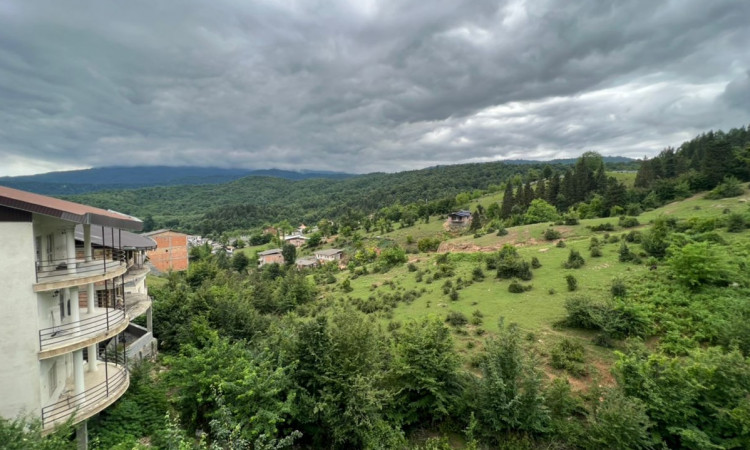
(65, 305)
(171, 252)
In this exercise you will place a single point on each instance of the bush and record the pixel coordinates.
(593, 242)
(453, 295)
(551, 234)
(730, 187)
(603, 227)
(696, 264)
(428, 245)
(516, 287)
(535, 262)
(457, 319)
(618, 289)
(628, 222)
(575, 260)
(596, 252)
(572, 282)
(412, 267)
(625, 254)
(736, 223)
(502, 231)
(560, 244)
(634, 237)
(509, 264)
(568, 355)
(570, 219)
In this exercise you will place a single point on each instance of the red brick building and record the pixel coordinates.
(171, 250)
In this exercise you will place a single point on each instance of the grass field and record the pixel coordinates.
(537, 310)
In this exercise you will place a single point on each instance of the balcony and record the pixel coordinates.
(101, 389)
(94, 327)
(69, 272)
(137, 304)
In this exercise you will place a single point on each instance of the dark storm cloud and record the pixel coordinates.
(362, 86)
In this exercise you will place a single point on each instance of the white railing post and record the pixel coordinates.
(87, 242)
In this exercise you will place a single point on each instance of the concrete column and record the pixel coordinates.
(78, 375)
(70, 244)
(93, 362)
(87, 242)
(150, 319)
(75, 310)
(82, 435)
(91, 294)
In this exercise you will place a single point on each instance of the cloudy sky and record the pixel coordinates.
(363, 85)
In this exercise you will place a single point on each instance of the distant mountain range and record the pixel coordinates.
(117, 178)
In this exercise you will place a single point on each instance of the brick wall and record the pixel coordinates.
(171, 251)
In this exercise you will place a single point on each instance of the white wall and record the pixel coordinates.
(19, 337)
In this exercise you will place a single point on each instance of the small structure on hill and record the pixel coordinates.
(296, 240)
(331, 254)
(270, 257)
(460, 218)
(307, 263)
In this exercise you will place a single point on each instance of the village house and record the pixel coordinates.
(306, 263)
(296, 240)
(332, 254)
(460, 218)
(171, 252)
(270, 257)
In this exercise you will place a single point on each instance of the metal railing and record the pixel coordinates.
(83, 329)
(76, 403)
(64, 267)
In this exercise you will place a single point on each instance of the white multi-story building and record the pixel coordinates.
(65, 307)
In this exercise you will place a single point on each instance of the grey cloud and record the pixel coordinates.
(360, 86)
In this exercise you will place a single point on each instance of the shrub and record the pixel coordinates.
(736, 223)
(696, 264)
(428, 245)
(568, 355)
(570, 219)
(477, 274)
(730, 187)
(535, 262)
(575, 260)
(502, 231)
(516, 287)
(453, 295)
(634, 237)
(618, 289)
(572, 282)
(593, 242)
(596, 252)
(628, 222)
(560, 244)
(412, 267)
(457, 319)
(509, 264)
(551, 234)
(603, 227)
(613, 239)
(625, 254)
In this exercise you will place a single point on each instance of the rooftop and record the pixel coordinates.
(329, 252)
(63, 209)
(130, 241)
(270, 252)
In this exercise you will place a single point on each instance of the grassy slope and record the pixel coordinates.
(537, 310)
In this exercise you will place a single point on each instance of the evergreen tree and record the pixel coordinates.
(508, 201)
(553, 190)
(718, 161)
(541, 190)
(528, 194)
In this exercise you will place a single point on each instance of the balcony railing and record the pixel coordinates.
(52, 270)
(102, 321)
(107, 383)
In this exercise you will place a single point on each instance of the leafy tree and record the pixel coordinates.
(289, 252)
(618, 422)
(240, 261)
(425, 372)
(540, 211)
(509, 394)
(25, 434)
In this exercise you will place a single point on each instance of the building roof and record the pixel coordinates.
(273, 251)
(462, 213)
(130, 241)
(307, 262)
(163, 230)
(295, 236)
(63, 209)
(329, 252)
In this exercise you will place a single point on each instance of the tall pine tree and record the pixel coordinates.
(508, 201)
